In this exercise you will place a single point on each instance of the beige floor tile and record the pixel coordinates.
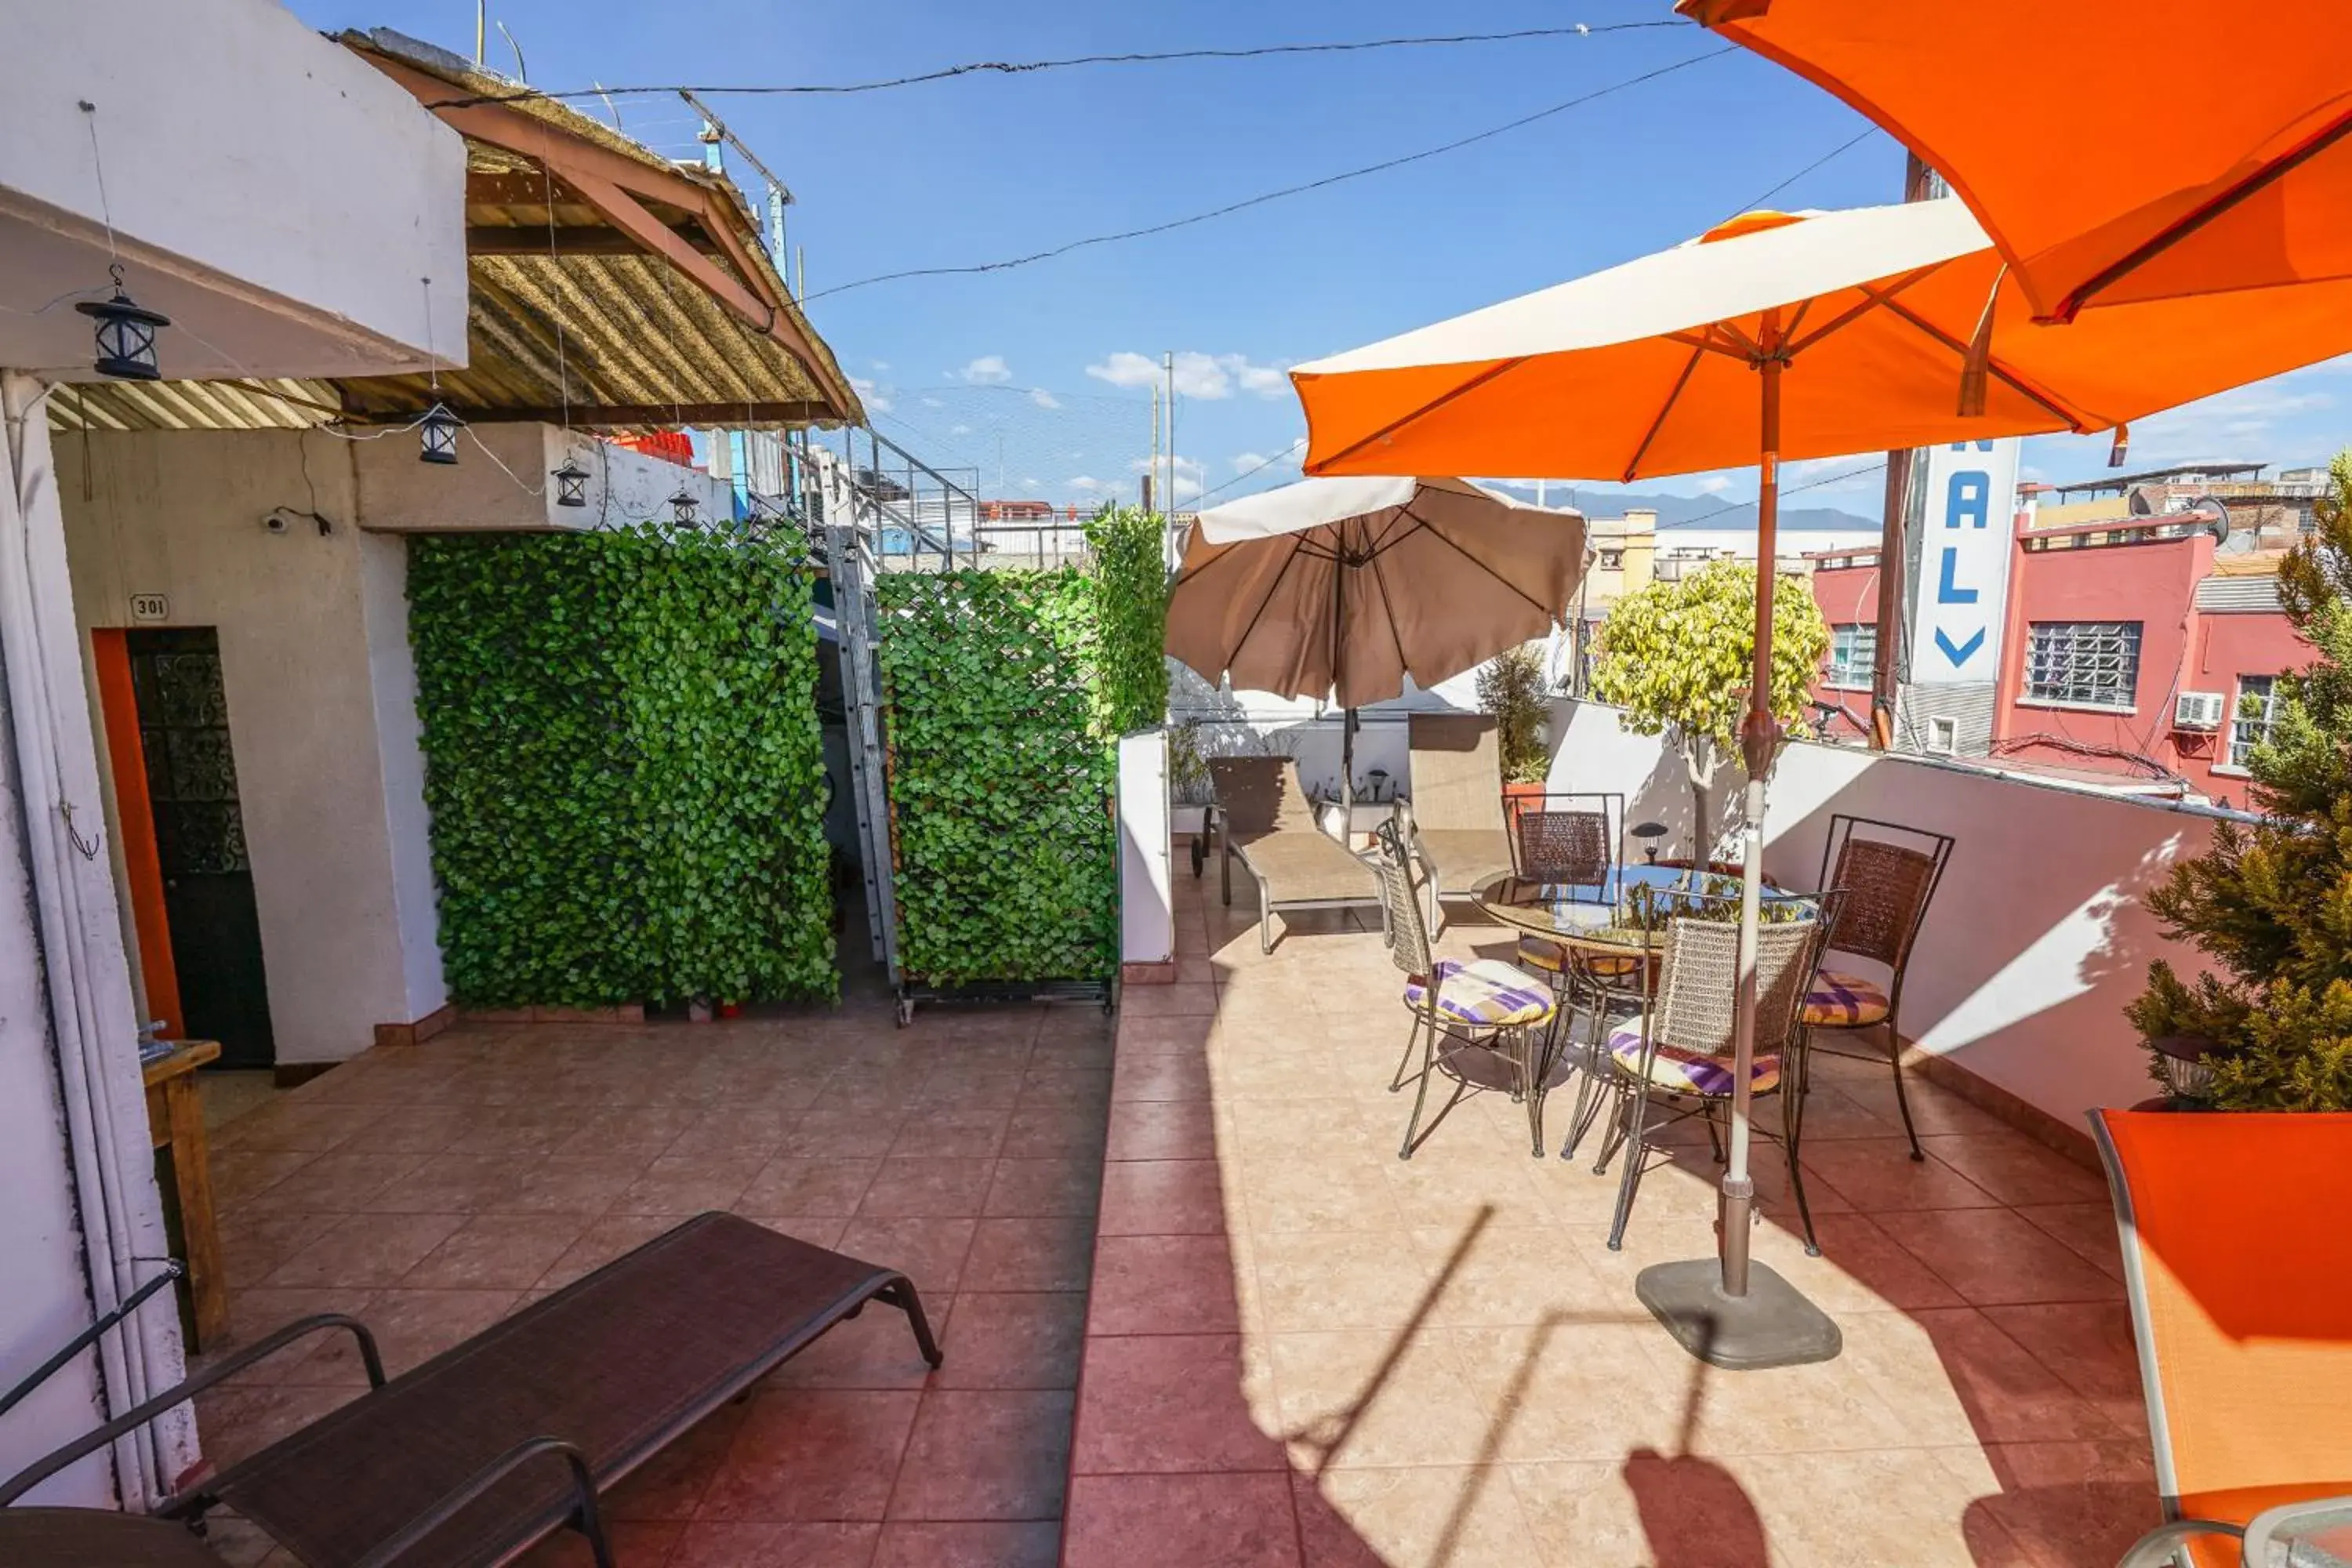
(1424, 1514)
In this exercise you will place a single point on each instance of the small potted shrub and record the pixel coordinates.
(1511, 689)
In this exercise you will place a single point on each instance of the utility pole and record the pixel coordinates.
(1151, 473)
(1168, 369)
(1888, 665)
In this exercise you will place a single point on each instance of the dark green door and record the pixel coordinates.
(200, 841)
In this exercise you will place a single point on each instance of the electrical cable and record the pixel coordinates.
(1785, 490)
(1286, 454)
(1260, 200)
(1829, 157)
(1030, 67)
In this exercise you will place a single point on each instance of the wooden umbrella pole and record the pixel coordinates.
(1757, 737)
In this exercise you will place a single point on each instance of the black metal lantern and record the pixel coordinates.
(126, 334)
(571, 484)
(684, 509)
(436, 436)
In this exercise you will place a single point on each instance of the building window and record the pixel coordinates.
(2251, 721)
(2083, 664)
(1613, 560)
(1853, 655)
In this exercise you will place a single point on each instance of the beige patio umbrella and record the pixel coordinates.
(1341, 588)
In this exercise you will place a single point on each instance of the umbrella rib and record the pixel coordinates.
(1454, 545)
(1681, 381)
(1432, 406)
(2006, 378)
(1380, 581)
(1226, 663)
(1869, 302)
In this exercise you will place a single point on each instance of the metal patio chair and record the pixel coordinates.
(1484, 1024)
(1888, 874)
(1676, 1061)
(1569, 840)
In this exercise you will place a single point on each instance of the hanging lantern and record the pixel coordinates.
(683, 509)
(571, 484)
(126, 334)
(436, 436)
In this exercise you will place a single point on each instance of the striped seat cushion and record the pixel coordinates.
(1485, 995)
(1844, 1001)
(1552, 958)
(1690, 1072)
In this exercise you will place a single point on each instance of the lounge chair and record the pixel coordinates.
(1456, 811)
(1264, 817)
(481, 1452)
(2239, 1267)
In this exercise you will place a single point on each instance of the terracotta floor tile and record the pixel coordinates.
(1163, 1285)
(1053, 1131)
(1951, 1376)
(1878, 1176)
(793, 1183)
(812, 1454)
(334, 1183)
(1169, 1001)
(367, 1250)
(931, 1252)
(1031, 1189)
(2088, 1345)
(1374, 1397)
(497, 1251)
(930, 1189)
(1162, 1130)
(1160, 1403)
(2015, 1169)
(254, 1245)
(671, 1485)
(1860, 1269)
(1054, 1253)
(687, 1185)
(2089, 1229)
(1007, 1340)
(1992, 1257)
(954, 1132)
(455, 1184)
(874, 1350)
(968, 1546)
(2066, 1503)
(242, 1174)
(1186, 1034)
(967, 1086)
(1180, 1521)
(411, 1327)
(1574, 1390)
(569, 1184)
(1160, 1076)
(605, 1239)
(838, 1135)
(755, 1132)
(256, 1311)
(986, 1455)
(1162, 1197)
(708, 1544)
(237, 1423)
(1370, 1518)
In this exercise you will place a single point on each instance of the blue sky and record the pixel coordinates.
(1030, 376)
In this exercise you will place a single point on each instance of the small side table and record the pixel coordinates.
(175, 1119)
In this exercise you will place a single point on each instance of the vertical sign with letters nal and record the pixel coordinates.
(1966, 533)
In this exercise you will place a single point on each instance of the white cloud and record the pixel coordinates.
(933, 403)
(1208, 378)
(1043, 398)
(1244, 462)
(959, 429)
(988, 370)
(881, 365)
(1086, 484)
(1191, 477)
(871, 395)
(1031, 482)
(1714, 485)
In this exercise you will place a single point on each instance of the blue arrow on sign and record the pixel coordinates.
(1960, 654)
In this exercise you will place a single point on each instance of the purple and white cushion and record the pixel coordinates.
(1840, 1000)
(1690, 1072)
(1485, 995)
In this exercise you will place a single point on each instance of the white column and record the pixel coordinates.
(88, 1026)
(1147, 923)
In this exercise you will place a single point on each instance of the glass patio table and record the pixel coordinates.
(1590, 918)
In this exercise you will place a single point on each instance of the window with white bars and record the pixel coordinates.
(1853, 655)
(2083, 664)
(2250, 719)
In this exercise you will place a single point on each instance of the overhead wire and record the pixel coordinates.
(1030, 67)
(1261, 199)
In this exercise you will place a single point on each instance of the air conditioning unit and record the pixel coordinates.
(1943, 735)
(2197, 710)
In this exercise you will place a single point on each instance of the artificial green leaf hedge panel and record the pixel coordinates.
(623, 766)
(1002, 765)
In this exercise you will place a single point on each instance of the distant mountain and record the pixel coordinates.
(1600, 501)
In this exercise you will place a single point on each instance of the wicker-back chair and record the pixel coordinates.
(1482, 1024)
(1564, 840)
(1676, 1060)
(1888, 874)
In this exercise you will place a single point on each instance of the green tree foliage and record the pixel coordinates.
(1511, 688)
(1678, 656)
(1129, 573)
(1003, 714)
(2272, 904)
(623, 766)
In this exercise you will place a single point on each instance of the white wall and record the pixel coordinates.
(270, 190)
(500, 482)
(2037, 938)
(313, 635)
(1146, 921)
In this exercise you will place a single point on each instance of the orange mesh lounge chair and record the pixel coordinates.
(2238, 1261)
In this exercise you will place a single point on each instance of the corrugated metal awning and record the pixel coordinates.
(2226, 595)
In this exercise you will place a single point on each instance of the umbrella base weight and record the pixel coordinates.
(1772, 1325)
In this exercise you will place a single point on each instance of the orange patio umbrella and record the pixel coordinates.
(2128, 170)
(1776, 336)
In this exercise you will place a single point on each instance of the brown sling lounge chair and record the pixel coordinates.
(1264, 817)
(471, 1458)
(1456, 811)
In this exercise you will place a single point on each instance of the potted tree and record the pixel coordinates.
(1677, 657)
(1511, 689)
(2270, 903)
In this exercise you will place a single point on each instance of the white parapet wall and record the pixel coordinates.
(2039, 936)
(1147, 921)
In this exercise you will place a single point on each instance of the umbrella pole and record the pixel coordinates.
(1728, 1310)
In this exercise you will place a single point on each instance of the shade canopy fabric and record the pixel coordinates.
(2136, 177)
(1648, 368)
(1343, 587)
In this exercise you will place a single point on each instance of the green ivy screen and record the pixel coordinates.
(624, 765)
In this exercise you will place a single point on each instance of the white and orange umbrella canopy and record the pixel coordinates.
(1648, 368)
(2163, 147)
